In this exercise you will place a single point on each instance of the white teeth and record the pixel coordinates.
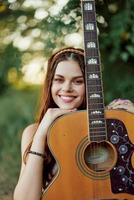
(67, 97)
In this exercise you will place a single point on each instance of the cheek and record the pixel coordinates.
(54, 90)
(82, 91)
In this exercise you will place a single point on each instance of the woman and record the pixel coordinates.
(63, 92)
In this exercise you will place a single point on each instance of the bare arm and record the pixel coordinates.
(29, 185)
(30, 180)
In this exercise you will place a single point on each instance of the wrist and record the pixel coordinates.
(36, 153)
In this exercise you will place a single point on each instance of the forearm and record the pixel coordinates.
(30, 183)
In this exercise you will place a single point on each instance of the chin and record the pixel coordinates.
(67, 107)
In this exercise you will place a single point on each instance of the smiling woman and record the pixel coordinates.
(68, 89)
(63, 92)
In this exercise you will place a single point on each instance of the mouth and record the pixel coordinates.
(67, 98)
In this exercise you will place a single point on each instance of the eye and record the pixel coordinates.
(79, 81)
(58, 80)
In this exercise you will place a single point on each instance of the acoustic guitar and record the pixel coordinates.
(93, 148)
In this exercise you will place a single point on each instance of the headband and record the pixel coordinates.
(66, 50)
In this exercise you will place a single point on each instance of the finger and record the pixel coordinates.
(121, 106)
(112, 102)
(119, 102)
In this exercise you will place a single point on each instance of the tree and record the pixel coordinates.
(43, 26)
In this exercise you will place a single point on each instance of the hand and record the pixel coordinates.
(50, 116)
(124, 104)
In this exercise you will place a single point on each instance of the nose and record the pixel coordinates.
(67, 86)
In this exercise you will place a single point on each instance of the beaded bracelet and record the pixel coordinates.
(38, 154)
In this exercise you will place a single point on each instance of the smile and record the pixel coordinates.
(67, 99)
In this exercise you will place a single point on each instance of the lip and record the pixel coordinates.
(67, 98)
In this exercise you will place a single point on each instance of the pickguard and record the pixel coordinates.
(122, 175)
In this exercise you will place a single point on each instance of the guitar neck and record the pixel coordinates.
(94, 86)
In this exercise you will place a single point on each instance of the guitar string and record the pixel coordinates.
(98, 144)
(93, 146)
(100, 84)
(87, 96)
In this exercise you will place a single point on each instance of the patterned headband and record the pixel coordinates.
(66, 50)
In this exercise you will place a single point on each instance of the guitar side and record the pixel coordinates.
(66, 140)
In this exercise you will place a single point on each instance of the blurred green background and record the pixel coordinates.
(30, 31)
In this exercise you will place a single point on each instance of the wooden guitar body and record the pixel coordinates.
(92, 170)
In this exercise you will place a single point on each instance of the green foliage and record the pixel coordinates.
(119, 34)
(16, 108)
(116, 38)
(10, 58)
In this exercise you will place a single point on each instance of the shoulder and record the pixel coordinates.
(29, 131)
(27, 136)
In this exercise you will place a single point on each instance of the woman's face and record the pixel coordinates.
(68, 87)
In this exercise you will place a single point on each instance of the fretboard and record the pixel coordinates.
(94, 86)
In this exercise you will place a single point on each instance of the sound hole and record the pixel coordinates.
(99, 157)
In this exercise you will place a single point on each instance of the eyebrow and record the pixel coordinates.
(72, 77)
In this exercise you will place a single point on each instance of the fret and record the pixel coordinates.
(99, 131)
(98, 139)
(92, 52)
(91, 75)
(90, 68)
(93, 118)
(95, 102)
(96, 117)
(97, 128)
(88, 15)
(90, 35)
(97, 123)
(94, 82)
(95, 89)
(95, 106)
(93, 68)
(94, 92)
(100, 118)
(95, 135)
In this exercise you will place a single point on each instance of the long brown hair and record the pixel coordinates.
(69, 53)
(64, 54)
